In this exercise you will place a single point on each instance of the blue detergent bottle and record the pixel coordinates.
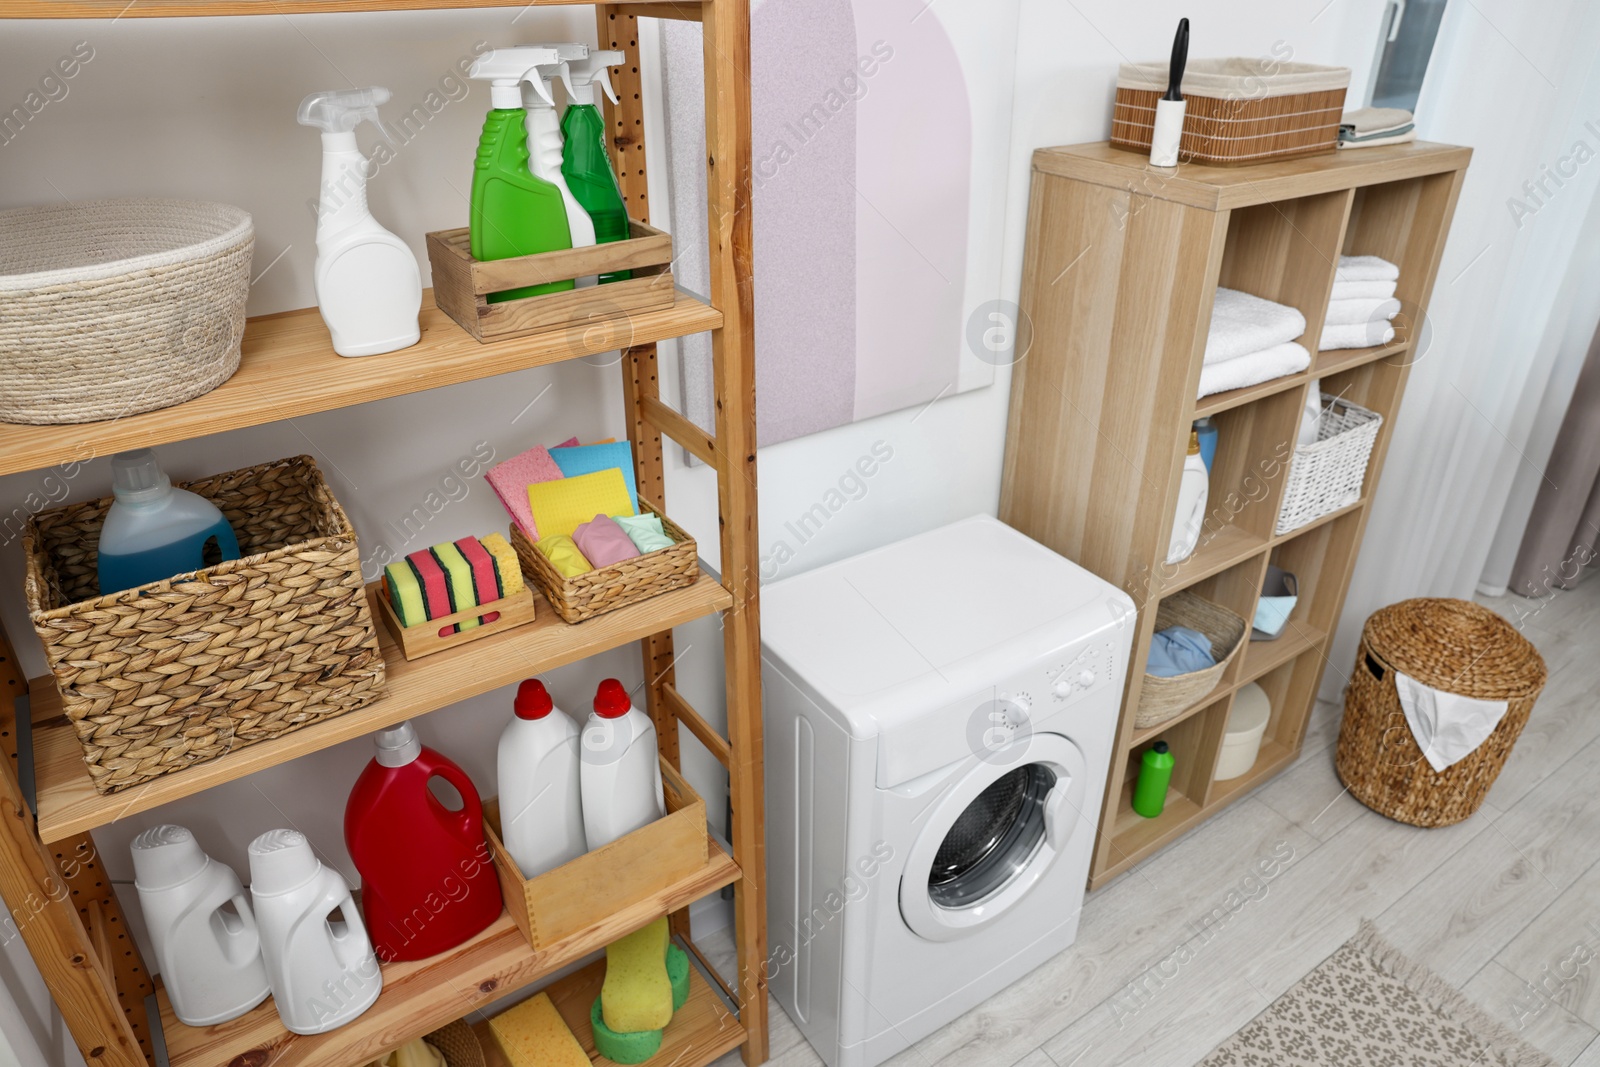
(153, 531)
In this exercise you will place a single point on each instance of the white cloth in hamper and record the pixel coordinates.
(1360, 335)
(1448, 727)
(1242, 324)
(1365, 269)
(1274, 362)
(1343, 290)
(1351, 312)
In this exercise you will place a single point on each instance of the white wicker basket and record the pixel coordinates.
(113, 307)
(1328, 475)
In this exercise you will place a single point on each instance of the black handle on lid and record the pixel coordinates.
(1180, 59)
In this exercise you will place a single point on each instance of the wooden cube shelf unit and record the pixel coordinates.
(1122, 263)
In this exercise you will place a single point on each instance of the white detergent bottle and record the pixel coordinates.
(323, 970)
(544, 138)
(620, 772)
(541, 813)
(207, 947)
(368, 284)
(153, 531)
(1193, 491)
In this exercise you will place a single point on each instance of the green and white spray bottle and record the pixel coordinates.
(585, 162)
(544, 137)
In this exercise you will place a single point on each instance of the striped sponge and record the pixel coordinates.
(451, 577)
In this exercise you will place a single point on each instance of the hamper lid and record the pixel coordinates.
(1237, 78)
(1456, 646)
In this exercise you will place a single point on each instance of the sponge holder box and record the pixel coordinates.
(426, 638)
(461, 284)
(587, 891)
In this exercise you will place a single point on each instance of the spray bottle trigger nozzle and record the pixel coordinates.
(342, 110)
(603, 78)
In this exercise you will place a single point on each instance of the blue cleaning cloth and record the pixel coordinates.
(587, 459)
(1179, 650)
(1272, 612)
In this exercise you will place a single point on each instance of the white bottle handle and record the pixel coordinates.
(353, 946)
(242, 943)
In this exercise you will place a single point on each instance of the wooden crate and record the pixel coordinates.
(425, 638)
(598, 884)
(461, 284)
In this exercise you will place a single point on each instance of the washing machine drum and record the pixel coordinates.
(992, 836)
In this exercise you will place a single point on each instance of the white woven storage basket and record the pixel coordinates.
(113, 307)
(1328, 475)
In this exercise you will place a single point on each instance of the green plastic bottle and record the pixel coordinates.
(584, 161)
(1155, 774)
(514, 212)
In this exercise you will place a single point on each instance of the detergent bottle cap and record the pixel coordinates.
(136, 477)
(398, 745)
(1160, 748)
(611, 700)
(165, 856)
(591, 70)
(506, 68)
(1194, 442)
(281, 860)
(533, 700)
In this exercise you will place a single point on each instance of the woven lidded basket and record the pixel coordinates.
(1239, 110)
(1328, 474)
(604, 589)
(169, 674)
(113, 307)
(1164, 699)
(1451, 645)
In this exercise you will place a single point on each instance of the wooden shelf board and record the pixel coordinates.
(1320, 520)
(1342, 359)
(288, 367)
(1269, 761)
(68, 803)
(1148, 733)
(1134, 836)
(1233, 398)
(1263, 656)
(422, 995)
(111, 9)
(1230, 546)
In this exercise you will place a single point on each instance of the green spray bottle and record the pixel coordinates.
(584, 159)
(1155, 774)
(514, 211)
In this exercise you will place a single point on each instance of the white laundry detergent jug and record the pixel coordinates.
(620, 773)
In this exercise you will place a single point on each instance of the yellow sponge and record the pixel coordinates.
(637, 994)
(506, 564)
(533, 1034)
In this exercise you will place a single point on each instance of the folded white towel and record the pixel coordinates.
(1343, 290)
(1274, 362)
(1365, 269)
(1378, 142)
(1242, 324)
(1351, 312)
(1365, 121)
(1359, 335)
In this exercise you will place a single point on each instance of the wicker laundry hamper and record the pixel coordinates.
(1451, 645)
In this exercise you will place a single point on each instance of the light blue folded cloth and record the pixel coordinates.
(645, 532)
(1272, 612)
(1179, 650)
(575, 460)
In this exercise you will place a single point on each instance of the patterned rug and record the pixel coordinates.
(1367, 1005)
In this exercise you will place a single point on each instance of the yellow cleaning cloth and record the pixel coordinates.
(533, 1034)
(637, 994)
(563, 554)
(559, 507)
(506, 564)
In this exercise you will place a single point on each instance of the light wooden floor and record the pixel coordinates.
(1498, 905)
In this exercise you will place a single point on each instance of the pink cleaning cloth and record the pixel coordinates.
(568, 443)
(603, 542)
(511, 478)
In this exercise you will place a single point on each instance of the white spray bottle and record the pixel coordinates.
(368, 284)
(544, 137)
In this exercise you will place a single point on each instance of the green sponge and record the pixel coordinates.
(637, 994)
(622, 1048)
(678, 975)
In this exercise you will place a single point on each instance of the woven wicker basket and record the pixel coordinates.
(1329, 474)
(165, 675)
(1452, 645)
(606, 589)
(113, 307)
(1239, 110)
(458, 1045)
(1164, 699)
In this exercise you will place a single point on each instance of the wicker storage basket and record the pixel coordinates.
(165, 675)
(1328, 475)
(1164, 699)
(606, 589)
(1239, 110)
(458, 1045)
(1452, 645)
(113, 307)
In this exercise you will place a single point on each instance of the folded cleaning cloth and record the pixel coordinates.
(562, 506)
(511, 478)
(1272, 613)
(1405, 136)
(1179, 650)
(1367, 121)
(1275, 362)
(1360, 335)
(586, 459)
(1447, 727)
(603, 542)
(1365, 269)
(1352, 312)
(563, 555)
(1242, 324)
(645, 531)
(1343, 290)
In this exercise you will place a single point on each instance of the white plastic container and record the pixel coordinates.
(323, 971)
(209, 957)
(544, 139)
(541, 811)
(1247, 724)
(1193, 492)
(620, 772)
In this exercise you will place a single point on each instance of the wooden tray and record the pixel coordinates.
(425, 639)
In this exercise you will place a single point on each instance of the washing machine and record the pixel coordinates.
(939, 719)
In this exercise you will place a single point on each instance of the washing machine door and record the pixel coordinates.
(992, 835)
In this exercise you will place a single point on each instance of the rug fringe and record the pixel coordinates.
(1428, 985)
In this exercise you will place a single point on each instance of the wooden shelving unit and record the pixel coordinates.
(52, 879)
(1122, 264)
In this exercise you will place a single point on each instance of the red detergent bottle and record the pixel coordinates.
(427, 880)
